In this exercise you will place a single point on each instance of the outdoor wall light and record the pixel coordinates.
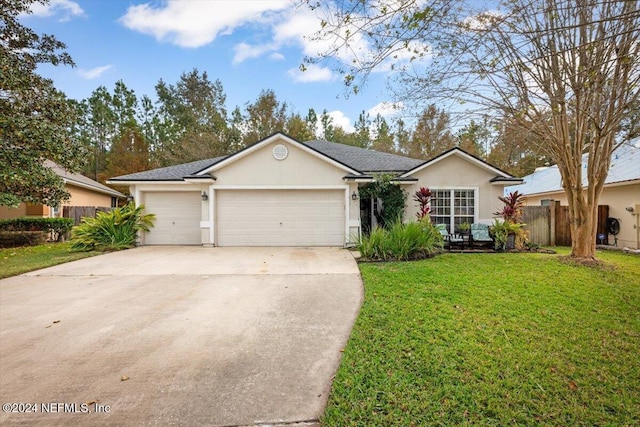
(354, 196)
(205, 196)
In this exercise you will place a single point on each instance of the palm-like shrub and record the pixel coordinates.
(414, 240)
(111, 231)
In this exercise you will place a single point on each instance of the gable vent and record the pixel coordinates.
(280, 152)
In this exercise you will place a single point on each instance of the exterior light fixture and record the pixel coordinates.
(205, 196)
(354, 196)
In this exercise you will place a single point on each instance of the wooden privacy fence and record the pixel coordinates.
(538, 224)
(78, 212)
(550, 225)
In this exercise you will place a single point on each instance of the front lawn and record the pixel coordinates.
(14, 261)
(493, 339)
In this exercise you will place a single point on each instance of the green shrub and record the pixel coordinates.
(414, 240)
(57, 226)
(111, 231)
(393, 199)
(501, 231)
(13, 239)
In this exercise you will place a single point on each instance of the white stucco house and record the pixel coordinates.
(282, 192)
(621, 191)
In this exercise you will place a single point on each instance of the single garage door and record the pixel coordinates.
(177, 218)
(280, 217)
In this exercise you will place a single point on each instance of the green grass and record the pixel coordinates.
(14, 261)
(493, 340)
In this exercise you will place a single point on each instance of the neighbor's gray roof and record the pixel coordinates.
(360, 159)
(170, 173)
(625, 166)
(364, 160)
(81, 180)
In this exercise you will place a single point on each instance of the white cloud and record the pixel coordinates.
(385, 109)
(313, 73)
(244, 51)
(197, 23)
(339, 119)
(66, 9)
(94, 73)
(277, 56)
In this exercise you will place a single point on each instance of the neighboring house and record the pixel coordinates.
(621, 191)
(281, 192)
(84, 192)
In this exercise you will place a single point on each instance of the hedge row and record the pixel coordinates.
(58, 226)
(12, 239)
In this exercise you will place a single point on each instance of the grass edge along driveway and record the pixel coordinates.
(493, 339)
(15, 261)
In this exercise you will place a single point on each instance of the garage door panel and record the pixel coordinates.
(177, 218)
(280, 218)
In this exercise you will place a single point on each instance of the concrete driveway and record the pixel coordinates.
(177, 336)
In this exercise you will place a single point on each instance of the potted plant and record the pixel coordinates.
(464, 228)
(509, 233)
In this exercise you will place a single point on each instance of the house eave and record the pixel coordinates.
(359, 178)
(500, 180)
(112, 193)
(404, 180)
(146, 181)
(208, 179)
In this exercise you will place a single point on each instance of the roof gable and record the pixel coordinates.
(79, 180)
(462, 154)
(273, 139)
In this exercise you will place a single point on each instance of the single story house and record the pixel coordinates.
(621, 191)
(84, 192)
(282, 192)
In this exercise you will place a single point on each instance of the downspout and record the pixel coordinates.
(637, 215)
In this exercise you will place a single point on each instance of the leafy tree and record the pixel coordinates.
(129, 154)
(327, 129)
(264, 117)
(35, 119)
(361, 136)
(402, 135)
(105, 117)
(193, 116)
(516, 151)
(431, 135)
(312, 122)
(384, 138)
(475, 138)
(235, 131)
(299, 128)
(566, 71)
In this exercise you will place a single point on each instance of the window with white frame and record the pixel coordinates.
(453, 207)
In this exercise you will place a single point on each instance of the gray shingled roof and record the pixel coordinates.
(170, 173)
(624, 166)
(80, 180)
(360, 159)
(364, 160)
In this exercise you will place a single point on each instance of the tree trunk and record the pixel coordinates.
(583, 229)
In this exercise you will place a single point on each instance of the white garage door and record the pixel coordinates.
(177, 218)
(280, 218)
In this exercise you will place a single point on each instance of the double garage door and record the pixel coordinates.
(253, 218)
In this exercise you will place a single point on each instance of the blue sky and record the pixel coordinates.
(248, 45)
